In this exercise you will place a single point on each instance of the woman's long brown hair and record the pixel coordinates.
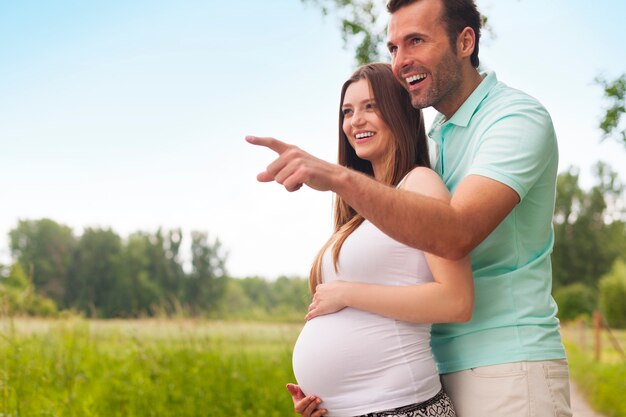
(410, 149)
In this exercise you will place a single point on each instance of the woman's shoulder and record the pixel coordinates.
(425, 181)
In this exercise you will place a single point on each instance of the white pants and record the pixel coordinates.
(518, 389)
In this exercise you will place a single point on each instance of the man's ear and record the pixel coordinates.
(466, 41)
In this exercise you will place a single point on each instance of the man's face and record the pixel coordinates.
(422, 58)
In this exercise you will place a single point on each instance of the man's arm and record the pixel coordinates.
(450, 231)
(448, 298)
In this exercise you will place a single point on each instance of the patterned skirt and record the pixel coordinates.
(438, 406)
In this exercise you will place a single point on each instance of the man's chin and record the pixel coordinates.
(419, 102)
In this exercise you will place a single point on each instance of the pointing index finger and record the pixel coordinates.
(274, 144)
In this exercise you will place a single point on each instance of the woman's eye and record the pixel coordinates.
(346, 112)
(370, 106)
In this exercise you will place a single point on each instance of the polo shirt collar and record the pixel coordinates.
(464, 113)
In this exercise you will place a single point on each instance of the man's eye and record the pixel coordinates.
(393, 50)
(415, 41)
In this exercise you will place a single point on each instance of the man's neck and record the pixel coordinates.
(470, 81)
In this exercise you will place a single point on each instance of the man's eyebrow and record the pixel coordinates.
(407, 37)
(412, 35)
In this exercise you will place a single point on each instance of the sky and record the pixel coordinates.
(131, 115)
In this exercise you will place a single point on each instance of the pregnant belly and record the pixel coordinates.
(352, 356)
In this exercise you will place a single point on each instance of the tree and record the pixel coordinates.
(207, 281)
(363, 25)
(292, 292)
(17, 296)
(45, 249)
(136, 290)
(615, 93)
(613, 294)
(152, 275)
(575, 300)
(589, 229)
(95, 271)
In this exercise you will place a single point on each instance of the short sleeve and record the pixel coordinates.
(517, 147)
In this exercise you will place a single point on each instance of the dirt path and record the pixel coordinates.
(580, 408)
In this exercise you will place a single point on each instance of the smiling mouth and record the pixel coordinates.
(415, 79)
(363, 135)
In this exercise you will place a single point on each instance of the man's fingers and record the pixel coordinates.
(264, 177)
(290, 185)
(274, 144)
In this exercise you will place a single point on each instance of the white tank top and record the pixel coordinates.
(359, 362)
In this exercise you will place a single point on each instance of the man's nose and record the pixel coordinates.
(400, 61)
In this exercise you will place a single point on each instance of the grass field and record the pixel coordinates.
(603, 382)
(76, 367)
(144, 368)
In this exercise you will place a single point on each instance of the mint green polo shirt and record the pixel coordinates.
(506, 135)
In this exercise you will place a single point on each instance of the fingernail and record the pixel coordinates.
(318, 401)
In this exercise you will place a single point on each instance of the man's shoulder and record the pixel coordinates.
(509, 105)
(505, 98)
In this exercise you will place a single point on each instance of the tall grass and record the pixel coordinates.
(145, 368)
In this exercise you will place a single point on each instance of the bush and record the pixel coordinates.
(574, 301)
(17, 296)
(613, 294)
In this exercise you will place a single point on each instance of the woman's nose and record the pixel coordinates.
(357, 119)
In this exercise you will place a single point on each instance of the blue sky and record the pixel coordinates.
(132, 114)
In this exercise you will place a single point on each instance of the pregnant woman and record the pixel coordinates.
(365, 348)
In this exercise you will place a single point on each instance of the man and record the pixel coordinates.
(498, 156)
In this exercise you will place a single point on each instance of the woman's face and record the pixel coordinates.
(364, 126)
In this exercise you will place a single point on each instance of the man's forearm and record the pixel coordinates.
(449, 230)
(416, 220)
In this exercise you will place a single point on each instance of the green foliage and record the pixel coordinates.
(82, 369)
(615, 93)
(362, 25)
(603, 383)
(613, 295)
(95, 270)
(17, 297)
(45, 249)
(254, 298)
(589, 228)
(207, 282)
(144, 276)
(575, 300)
(100, 275)
(136, 291)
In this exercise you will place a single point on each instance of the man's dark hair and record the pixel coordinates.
(457, 15)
